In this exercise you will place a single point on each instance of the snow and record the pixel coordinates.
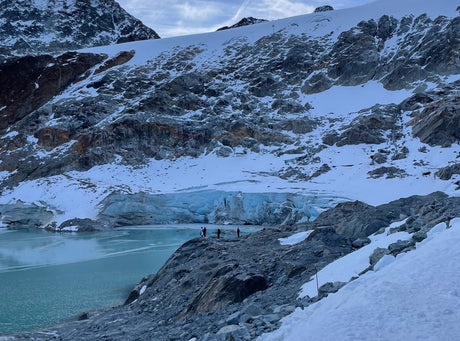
(414, 298)
(347, 267)
(11, 134)
(369, 94)
(295, 238)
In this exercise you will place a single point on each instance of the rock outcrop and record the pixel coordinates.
(33, 81)
(439, 122)
(324, 8)
(243, 22)
(65, 25)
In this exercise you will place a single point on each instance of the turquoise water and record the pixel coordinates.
(47, 278)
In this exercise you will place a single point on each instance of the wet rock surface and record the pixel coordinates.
(213, 289)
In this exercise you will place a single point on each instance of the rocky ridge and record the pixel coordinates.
(56, 26)
(214, 289)
(243, 22)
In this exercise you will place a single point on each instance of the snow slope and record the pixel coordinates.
(413, 297)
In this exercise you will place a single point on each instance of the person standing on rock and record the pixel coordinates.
(204, 231)
(218, 233)
(238, 232)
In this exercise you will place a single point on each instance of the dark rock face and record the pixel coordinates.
(354, 57)
(65, 25)
(219, 292)
(354, 220)
(438, 124)
(369, 129)
(40, 78)
(446, 173)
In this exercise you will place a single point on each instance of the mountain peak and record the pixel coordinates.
(54, 26)
(243, 22)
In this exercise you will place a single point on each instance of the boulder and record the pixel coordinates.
(446, 173)
(379, 158)
(360, 242)
(377, 255)
(390, 172)
(401, 246)
(330, 288)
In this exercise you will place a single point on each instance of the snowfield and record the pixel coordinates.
(414, 296)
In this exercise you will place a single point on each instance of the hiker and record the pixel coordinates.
(201, 232)
(238, 232)
(204, 231)
(218, 233)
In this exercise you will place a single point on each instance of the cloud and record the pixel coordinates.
(176, 17)
(271, 10)
(198, 10)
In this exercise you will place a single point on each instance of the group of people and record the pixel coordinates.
(219, 232)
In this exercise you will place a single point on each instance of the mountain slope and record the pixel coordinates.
(410, 296)
(32, 27)
(334, 104)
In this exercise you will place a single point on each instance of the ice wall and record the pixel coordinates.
(212, 207)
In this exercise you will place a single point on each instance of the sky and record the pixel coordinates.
(178, 17)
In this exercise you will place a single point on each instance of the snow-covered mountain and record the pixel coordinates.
(268, 123)
(350, 104)
(33, 27)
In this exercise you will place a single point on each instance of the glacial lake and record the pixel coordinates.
(47, 278)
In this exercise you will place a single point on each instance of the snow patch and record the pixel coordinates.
(295, 238)
(351, 265)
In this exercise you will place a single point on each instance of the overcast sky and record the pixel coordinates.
(175, 17)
